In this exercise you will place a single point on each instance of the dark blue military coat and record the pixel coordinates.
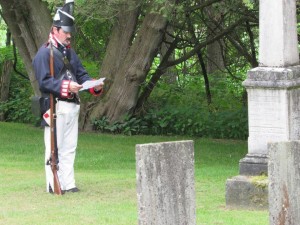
(57, 84)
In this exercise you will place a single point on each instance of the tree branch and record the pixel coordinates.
(202, 6)
(205, 43)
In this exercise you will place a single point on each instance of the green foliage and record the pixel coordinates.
(91, 67)
(93, 70)
(182, 110)
(248, 3)
(228, 125)
(109, 8)
(91, 38)
(18, 106)
(3, 29)
(129, 126)
(6, 53)
(162, 7)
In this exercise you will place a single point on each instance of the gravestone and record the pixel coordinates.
(165, 183)
(284, 186)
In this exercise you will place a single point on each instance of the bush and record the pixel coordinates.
(18, 107)
(228, 125)
(129, 126)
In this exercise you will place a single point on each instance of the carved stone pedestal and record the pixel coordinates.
(274, 116)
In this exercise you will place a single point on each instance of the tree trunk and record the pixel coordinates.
(29, 22)
(121, 98)
(170, 76)
(8, 37)
(201, 60)
(4, 83)
(116, 51)
(215, 61)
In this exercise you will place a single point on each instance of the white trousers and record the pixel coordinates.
(67, 135)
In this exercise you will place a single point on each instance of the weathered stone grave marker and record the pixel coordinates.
(284, 186)
(165, 183)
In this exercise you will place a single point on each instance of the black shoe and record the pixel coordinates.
(73, 190)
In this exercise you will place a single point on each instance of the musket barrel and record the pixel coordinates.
(54, 166)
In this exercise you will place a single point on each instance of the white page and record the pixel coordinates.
(92, 83)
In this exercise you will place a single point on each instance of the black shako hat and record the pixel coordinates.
(64, 17)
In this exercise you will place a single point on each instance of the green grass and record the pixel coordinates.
(105, 173)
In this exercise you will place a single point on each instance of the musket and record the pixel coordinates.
(54, 158)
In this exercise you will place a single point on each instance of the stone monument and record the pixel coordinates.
(273, 93)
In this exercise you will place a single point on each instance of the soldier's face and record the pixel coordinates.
(62, 36)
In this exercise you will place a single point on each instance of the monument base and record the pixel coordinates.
(253, 165)
(247, 192)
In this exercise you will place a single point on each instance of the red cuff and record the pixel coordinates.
(95, 93)
(64, 89)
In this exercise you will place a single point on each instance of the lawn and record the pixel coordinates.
(105, 173)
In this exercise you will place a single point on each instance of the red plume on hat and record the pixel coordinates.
(64, 17)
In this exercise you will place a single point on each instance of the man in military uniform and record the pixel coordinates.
(69, 75)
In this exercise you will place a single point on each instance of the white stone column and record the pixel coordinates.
(278, 42)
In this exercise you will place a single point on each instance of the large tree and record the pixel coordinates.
(129, 56)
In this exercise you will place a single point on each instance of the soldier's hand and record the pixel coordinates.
(74, 87)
